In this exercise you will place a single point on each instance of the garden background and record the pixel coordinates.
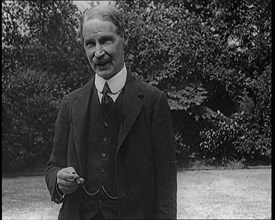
(212, 58)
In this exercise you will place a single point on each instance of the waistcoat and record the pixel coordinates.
(102, 137)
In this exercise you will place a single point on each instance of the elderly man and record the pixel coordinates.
(113, 152)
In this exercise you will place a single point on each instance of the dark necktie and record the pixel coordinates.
(106, 100)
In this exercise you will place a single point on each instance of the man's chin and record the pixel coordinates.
(103, 68)
(106, 74)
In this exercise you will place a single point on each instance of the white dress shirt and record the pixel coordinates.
(116, 84)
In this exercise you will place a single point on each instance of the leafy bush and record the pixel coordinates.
(234, 138)
(252, 144)
(42, 59)
(217, 140)
(29, 107)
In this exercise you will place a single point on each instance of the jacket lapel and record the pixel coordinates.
(80, 122)
(131, 107)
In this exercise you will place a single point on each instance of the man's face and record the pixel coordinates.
(104, 47)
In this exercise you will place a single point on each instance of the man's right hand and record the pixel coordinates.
(68, 180)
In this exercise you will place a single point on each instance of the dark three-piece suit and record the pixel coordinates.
(127, 159)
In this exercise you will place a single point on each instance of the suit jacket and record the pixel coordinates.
(145, 166)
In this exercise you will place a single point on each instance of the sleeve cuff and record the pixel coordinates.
(59, 199)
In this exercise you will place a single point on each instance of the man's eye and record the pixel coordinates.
(107, 41)
(90, 43)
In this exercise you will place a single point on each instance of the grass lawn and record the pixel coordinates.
(202, 194)
(224, 194)
(27, 198)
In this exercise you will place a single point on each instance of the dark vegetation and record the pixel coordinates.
(212, 58)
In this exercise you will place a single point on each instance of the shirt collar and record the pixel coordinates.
(116, 83)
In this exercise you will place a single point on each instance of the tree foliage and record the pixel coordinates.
(212, 58)
(42, 59)
(209, 56)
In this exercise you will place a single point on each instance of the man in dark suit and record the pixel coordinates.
(113, 152)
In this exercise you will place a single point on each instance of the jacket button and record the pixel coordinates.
(103, 155)
(102, 170)
(104, 139)
(106, 124)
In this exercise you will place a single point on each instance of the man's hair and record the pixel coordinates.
(106, 13)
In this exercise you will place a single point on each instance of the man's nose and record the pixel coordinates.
(99, 51)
